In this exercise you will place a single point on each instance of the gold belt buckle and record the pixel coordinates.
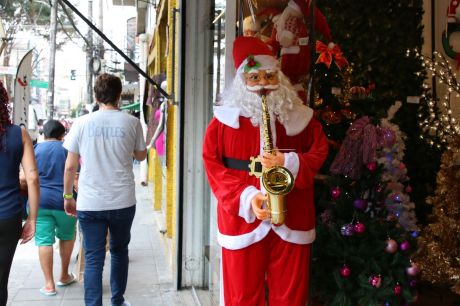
(252, 167)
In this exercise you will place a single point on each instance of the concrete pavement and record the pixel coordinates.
(150, 277)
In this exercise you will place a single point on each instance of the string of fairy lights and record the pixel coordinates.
(436, 120)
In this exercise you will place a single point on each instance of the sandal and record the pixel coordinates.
(45, 292)
(71, 280)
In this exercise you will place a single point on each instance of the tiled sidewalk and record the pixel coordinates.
(150, 277)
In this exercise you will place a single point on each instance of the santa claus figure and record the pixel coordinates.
(290, 39)
(453, 12)
(256, 253)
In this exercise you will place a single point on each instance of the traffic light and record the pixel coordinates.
(73, 74)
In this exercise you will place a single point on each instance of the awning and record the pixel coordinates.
(132, 107)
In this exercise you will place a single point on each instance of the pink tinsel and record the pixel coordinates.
(358, 149)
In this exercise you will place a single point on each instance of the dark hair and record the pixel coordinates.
(107, 89)
(53, 129)
(4, 115)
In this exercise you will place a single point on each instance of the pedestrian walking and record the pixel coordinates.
(106, 141)
(15, 149)
(52, 221)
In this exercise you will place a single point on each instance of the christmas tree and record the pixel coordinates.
(439, 244)
(367, 216)
(365, 233)
(382, 73)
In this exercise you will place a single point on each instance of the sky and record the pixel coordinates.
(72, 56)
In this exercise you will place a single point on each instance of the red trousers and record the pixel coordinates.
(281, 266)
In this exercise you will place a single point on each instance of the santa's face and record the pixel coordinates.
(267, 80)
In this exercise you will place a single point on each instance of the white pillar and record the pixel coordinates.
(143, 55)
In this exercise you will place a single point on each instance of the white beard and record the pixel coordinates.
(279, 101)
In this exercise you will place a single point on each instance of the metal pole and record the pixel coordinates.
(53, 29)
(89, 56)
(100, 48)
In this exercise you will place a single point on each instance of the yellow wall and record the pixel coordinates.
(171, 178)
(162, 62)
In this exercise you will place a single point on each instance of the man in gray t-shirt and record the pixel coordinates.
(104, 143)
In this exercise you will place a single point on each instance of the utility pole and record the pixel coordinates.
(89, 56)
(52, 68)
(100, 48)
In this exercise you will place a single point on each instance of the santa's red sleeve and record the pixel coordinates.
(226, 186)
(311, 161)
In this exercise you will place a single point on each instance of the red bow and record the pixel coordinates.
(326, 55)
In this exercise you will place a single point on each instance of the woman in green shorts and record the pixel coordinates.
(52, 221)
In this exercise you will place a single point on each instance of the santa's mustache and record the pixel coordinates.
(260, 87)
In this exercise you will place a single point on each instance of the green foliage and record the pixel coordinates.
(374, 36)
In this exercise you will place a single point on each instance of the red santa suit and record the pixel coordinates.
(290, 39)
(256, 252)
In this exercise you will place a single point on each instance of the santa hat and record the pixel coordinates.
(251, 54)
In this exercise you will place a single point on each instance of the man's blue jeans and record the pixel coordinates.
(94, 226)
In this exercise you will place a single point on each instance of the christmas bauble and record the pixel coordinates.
(347, 230)
(335, 193)
(405, 245)
(413, 283)
(375, 281)
(388, 137)
(392, 246)
(412, 270)
(359, 228)
(371, 166)
(409, 189)
(397, 289)
(360, 204)
(345, 271)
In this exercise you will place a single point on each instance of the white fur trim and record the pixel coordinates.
(292, 163)
(290, 50)
(229, 116)
(299, 117)
(241, 241)
(294, 6)
(245, 210)
(293, 236)
(267, 62)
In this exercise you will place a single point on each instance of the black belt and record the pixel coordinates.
(240, 164)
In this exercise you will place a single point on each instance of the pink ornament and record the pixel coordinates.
(360, 228)
(345, 271)
(335, 193)
(409, 189)
(405, 245)
(392, 246)
(360, 204)
(412, 270)
(375, 281)
(402, 166)
(379, 188)
(371, 166)
(397, 290)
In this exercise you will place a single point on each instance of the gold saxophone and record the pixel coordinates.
(277, 180)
